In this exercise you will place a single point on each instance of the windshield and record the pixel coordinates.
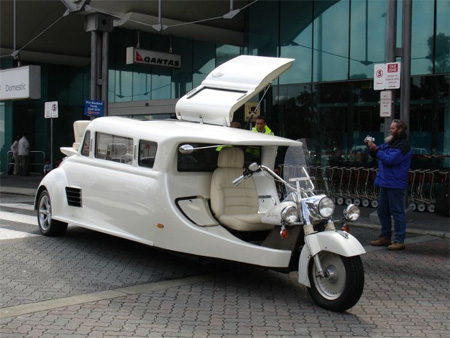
(297, 163)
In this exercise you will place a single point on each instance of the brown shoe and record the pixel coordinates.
(381, 241)
(396, 246)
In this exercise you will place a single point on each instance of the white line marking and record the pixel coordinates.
(13, 217)
(13, 234)
(21, 206)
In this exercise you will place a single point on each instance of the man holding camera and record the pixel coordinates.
(394, 159)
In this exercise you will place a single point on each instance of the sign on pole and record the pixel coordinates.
(393, 75)
(93, 108)
(386, 76)
(385, 103)
(378, 76)
(51, 110)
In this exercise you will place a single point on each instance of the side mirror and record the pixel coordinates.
(186, 149)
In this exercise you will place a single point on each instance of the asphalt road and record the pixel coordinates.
(87, 284)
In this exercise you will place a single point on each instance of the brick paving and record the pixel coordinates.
(406, 293)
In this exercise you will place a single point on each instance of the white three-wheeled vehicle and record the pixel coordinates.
(197, 186)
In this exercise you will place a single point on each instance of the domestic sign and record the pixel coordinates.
(20, 83)
(392, 75)
(386, 103)
(51, 110)
(151, 58)
(93, 108)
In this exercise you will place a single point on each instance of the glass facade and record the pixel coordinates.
(327, 95)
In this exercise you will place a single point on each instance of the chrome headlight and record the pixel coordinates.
(289, 215)
(326, 207)
(352, 212)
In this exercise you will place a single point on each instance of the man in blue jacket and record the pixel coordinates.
(394, 159)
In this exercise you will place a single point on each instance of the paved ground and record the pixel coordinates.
(87, 284)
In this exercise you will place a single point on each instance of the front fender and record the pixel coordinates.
(338, 242)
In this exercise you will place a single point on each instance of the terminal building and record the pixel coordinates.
(87, 50)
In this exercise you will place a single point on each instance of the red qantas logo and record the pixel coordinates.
(139, 57)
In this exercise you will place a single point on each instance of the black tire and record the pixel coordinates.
(47, 225)
(343, 288)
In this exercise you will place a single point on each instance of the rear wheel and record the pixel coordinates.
(342, 287)
(47, 225)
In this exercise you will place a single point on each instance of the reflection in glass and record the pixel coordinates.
(330, 40)
(296, 40)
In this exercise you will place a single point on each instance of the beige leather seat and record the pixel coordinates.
(235, 207)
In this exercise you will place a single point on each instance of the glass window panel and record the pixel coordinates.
(124, 86)
(331, 40)
(114, 148)
(225, 53)
(296, 40)
(182, 78)
(161, 84)
(86, 145)
(368, 37)
(204, 61)
(263, 33)
(422, 37)
(147, 153)
(141, 86)
(442, 48)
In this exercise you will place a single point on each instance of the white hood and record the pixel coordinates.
(228, 87)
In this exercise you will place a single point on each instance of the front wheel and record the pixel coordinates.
(47, 225)
(343, 285)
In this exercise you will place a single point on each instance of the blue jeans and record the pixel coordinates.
(390, 203)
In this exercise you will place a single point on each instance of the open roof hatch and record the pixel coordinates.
(228, 87)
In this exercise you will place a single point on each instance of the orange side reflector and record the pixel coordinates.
(345, 228)
(284, 233)
(160, 226)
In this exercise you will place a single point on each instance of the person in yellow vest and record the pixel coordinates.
(261, 126)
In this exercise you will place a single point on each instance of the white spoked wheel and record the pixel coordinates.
(421, 207)
(342, 285)
(412, 206)
(374, 203)
(365, 203)
(339, 200)
(357, 202)
(430, 208)
(47, 225)
(348, 201)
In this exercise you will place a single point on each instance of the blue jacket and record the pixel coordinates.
(394, 160)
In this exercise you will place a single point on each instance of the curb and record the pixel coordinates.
(434, 233)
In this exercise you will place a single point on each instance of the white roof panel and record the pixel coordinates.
(228, 87)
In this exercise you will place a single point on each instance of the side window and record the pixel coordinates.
(114, 148)
(147, 153)
(86, 145)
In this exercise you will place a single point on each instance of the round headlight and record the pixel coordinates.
(289, 215)
(352, 212)
(326, 207)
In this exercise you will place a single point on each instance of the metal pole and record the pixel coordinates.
(94, 65)
(391, 45)
(51, 141)
(405, 79)
(105, 52)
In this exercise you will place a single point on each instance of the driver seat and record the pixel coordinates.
(235, 207)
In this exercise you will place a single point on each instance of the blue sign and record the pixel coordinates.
(93, 108)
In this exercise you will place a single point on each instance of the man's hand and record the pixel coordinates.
(372, 147)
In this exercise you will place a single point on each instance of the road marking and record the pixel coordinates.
(21, 206)
(13, 234)
(18, 310)
(13, 217)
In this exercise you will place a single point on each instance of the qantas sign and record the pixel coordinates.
(151, 58)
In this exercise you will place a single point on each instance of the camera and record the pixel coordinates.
(369, 139)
